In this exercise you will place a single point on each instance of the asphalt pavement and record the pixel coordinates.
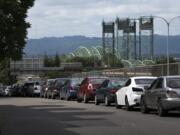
(36, 116)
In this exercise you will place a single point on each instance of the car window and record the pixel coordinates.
(84, 81)
(115, 83)
(143, 81)
(128, 82)
(153, 85)
(173, 83)
(96, 81)
(105, 84)
(159, 83)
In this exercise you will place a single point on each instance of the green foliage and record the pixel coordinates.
(52, 61)
(112, 61)
(86, 61)
(57, 60)
(13, 33)
(163, 60)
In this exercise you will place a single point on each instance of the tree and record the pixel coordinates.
(13, 27)
(57, 61)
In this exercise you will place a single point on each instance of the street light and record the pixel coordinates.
(168, 26)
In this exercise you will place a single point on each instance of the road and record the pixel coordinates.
(35, 116)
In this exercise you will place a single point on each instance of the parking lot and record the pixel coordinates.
(38, 116)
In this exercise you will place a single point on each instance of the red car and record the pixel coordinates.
(88, 88)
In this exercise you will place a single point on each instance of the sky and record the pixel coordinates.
(59, 18)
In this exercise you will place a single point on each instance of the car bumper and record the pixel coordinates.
(112, 98)
(72, 95)
(171, 103)
(135, 100)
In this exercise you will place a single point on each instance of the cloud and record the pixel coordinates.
(83, 17)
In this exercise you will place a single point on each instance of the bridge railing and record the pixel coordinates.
(150, 70)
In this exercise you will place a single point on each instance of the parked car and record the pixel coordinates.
(106, 92)
(163, 95)
(37, 88)
(88, 88)
(27, 89)
(43, 87)
(49, 88)
(70, 88)
(130, 95)
(2, 92)
(8, 91)
(58, 84)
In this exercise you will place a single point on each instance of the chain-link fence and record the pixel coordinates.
(152, 70)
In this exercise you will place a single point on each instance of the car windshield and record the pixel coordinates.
(173, 83)
(61, 81)
(96, 80)
(116, 83)
(75, 82)
(144, 81)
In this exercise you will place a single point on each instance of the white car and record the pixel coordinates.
(37, 89)
(129, 95)
(7, 91)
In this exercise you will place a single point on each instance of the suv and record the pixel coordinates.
(58, 84)
(163, 95)
(88, 88)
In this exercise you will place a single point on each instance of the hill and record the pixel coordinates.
(61, 45)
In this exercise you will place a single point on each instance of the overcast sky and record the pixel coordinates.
(83, 17)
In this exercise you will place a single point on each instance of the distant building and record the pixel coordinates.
(28, 63)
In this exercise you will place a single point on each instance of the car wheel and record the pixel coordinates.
(79, 100)
(61, 98)
(67, 98)
(107, 103)
(116, 104)
(143, 106)
(128, 107)
(96, 102)
(85, 99)
(160, 110)
(45, 95)
(52, 96)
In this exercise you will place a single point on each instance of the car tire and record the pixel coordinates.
(85, 98)
(96, 102)
(128, 107)
(116, 104)
(79, 100)
(143, 106)
(107, 103)
(160, 110)
(67, 98)
(52, 96)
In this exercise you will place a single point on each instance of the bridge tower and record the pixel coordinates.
(146, 30)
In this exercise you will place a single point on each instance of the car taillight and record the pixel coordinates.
(171, 94)
(90, 87)
(113, 91)
(137, 89)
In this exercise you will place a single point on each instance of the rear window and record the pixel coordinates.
(75, 82)
(173, 83)
(116, 83)
(143, 81)
(97, 81)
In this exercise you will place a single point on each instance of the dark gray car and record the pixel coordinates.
(163, 95)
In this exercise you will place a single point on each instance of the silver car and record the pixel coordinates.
(163, 95)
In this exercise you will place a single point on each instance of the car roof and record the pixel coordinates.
(97, 77)
(172, 76)
(143, 77)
